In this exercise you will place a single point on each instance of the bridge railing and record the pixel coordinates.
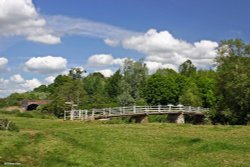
(129, 110)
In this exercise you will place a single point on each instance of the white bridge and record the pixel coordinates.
(140, 113)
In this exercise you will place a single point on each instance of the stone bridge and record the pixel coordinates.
(33, 104)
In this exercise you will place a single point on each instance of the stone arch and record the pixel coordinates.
(31, 107)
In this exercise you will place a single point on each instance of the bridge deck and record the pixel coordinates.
(133, 111)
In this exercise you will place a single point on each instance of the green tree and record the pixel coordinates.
(233, 80)
(164, 87)
(191, 95)
(135, 75)
(187, 68)
(113, 86)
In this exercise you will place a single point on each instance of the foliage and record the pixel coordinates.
(191, 96)
(187, 68)
(233, 80)
(164, 87)
(6, 124)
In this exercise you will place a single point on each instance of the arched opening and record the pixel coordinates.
(32, 107)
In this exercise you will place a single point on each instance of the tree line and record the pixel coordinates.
(225, 90)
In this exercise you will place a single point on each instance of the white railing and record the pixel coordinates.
(130, 110)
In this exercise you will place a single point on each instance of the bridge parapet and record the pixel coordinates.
(176, 112)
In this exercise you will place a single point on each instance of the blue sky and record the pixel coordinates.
(42, 38)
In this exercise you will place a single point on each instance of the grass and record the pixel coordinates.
(54, 142)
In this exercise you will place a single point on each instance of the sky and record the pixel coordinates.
(40, 39)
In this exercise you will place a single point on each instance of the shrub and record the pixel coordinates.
(5, 124)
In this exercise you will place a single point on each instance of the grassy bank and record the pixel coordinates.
(53, 142)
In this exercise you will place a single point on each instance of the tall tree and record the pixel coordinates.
(135, 75)
(164, 87)
(187, 68)
(233, 79)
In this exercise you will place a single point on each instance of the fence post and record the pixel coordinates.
(71, 115)
(159, 108)
(120, 109)
(93, 113)
(109, 110)
(79, 114)
(134, 109)
(103, 111)
(64, 116)
(189, 108)
(86, 114)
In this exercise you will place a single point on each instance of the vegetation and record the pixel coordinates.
(225, 90)
(46, 142)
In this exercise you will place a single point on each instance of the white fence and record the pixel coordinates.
(130, 110)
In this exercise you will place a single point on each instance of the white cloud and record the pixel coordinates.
(18, 84)
(111, 42)
(106, 72)
(17, 78)
(3, 63)
(100, 60)
(47, 39)
(49, 79)
(46, 65)
(31, 84)
(64, 25)
(162, 47)
(154, 66)
(20, 18)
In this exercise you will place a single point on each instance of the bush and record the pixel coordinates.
(5, 124)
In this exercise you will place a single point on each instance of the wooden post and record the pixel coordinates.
(64, 116)
(120, 109)
(86, 114)
(71, 115)
(79, 114)
(159, 108)
(109, 110)
(123, 110)
(134, 109)
(103, 111)
(189, 108)
(169, 108)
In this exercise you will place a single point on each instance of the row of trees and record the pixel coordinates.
(225, 90)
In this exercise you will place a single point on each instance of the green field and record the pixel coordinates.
(51, 143)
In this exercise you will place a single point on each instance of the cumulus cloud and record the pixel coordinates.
(162, 47)
(49, 79)
(20, 18)
(17, 78)
(46, 65)
(106, 72)
(18, 84)
(154, 66)
(31, 84)
(102, 60)
(3, 63)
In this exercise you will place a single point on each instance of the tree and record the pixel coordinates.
(187, 68)
(191, 95)
(113, 86)
(135, 75)
(164, 87)
(77, 73)
(233, 80)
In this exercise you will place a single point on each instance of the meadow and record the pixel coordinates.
(54, 142)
